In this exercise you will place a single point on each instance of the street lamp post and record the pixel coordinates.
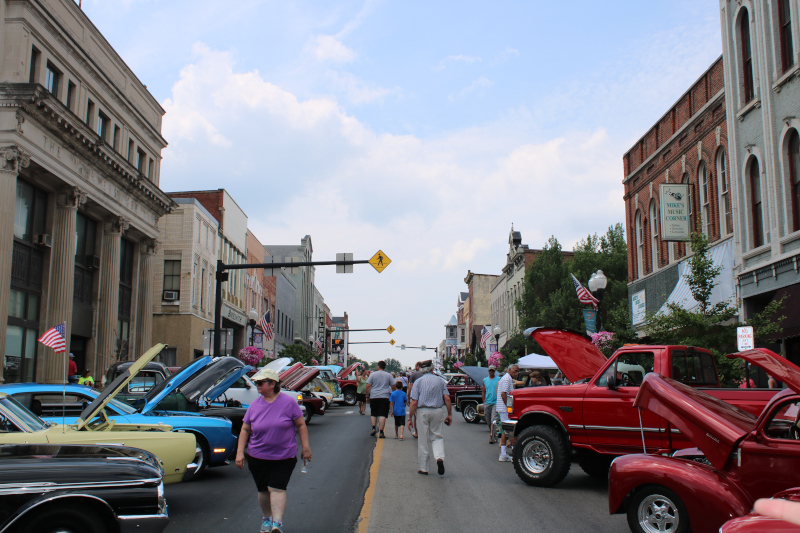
(311, 344)
(597, 286)
(253, 319)
(497, 338)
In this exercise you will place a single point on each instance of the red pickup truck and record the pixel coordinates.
(592, 420)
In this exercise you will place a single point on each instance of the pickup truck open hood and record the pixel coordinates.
(298, 376)
(476, 373)
(773, 364)
(574, 353)
(111, 390)
(347, 371)
(711, 424)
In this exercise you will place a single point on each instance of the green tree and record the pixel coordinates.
(706, 325)
(298, 353)
(393, 365)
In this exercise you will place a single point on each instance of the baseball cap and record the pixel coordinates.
(492, 367)
(72, 355)
(266, 373)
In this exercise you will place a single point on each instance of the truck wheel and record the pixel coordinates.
(308, 415)
(595, 464)
(470, 413)
(541, 457)
(653, 509)
(65, 519)
(350, 396)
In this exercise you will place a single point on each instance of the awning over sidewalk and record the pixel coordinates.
(721, 255)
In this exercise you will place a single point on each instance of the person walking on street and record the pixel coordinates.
(430, 402)
(72, 374)
(397, 405)
(379, 387)
(361, 390)
(268, 433)
(415, 375)
(489, 395)
(504, 388)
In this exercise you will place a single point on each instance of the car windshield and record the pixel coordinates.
(155, 391)
(122, 407)
(18, 411)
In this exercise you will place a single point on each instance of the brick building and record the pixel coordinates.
(479, 312)
(260, 293)
(688, 144)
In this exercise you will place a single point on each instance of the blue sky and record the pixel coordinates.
(420, 128)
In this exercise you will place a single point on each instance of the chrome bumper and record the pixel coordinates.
(154, 523)
(190, 470)
(509, 426)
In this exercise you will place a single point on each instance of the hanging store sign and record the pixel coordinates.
(638, 307)
(675, 212)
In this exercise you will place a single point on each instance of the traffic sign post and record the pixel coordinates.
(379, 261)
(390, 329)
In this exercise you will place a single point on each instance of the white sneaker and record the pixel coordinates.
(505, 459)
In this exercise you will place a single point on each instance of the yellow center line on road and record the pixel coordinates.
(366, 510)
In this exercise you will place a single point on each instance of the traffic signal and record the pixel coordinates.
(338, 344)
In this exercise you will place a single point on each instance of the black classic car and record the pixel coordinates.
(80, 489)
(469, 401)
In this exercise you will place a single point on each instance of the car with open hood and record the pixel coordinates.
(63, 404)
(77, 488)
(756, 523)
(469, 400)
(592, 420)
(176, 451)
(148, 377)
(741, 457)
(295, 378)
(348, 383)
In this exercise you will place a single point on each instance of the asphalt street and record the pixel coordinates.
(477, 492)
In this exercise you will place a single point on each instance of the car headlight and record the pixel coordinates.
(300, 399)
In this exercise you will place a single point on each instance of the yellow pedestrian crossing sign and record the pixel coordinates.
(391, 342)
(390, 329)
(379, 261)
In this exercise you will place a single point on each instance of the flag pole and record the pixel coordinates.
(64, 390)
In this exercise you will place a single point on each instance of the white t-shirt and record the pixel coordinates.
(506, 384)
(381, 384)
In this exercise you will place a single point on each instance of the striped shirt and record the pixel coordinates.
(429, 391)
(506, 384)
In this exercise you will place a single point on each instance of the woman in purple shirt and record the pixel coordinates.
(268, 433)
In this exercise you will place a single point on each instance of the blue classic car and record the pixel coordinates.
(63, 404)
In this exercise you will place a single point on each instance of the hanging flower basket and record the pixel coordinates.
(251, 356)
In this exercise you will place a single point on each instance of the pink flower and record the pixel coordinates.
(251, 355)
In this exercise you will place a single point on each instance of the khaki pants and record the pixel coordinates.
(429, 428)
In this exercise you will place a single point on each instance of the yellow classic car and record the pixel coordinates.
(176, 451)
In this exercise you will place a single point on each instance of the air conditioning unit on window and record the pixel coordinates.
(171, 296)
(43, 239)
(93, 261)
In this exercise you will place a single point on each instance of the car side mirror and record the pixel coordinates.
(611, 382)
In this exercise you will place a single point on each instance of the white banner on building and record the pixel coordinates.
(638, 307)
(675, 212)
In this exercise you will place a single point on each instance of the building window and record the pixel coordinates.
(785, 31)
(726, 225)
(172, 279)
(115, 140)
(71, 96)
(202, 289)
(194, 283)
(36, 57)
(794, 177)
(169, 356)
(747, 56)
(130, 150)
(125, 296)
(150, 166)
(89, 113)
(52, 79)
(755, 204)
(29, 212)
(654, 248)
(639, 244)
(705, 200)
(85, 259)
(140, 157)
(102, 125)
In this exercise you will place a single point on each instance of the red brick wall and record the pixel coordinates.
(669, 155)
(211, 200)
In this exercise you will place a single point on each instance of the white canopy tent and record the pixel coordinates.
(537, 361)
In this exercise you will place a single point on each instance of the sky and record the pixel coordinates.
(422, 129)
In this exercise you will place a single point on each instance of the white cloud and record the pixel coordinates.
(330, 48)
(455, 59)
(477, 85)
(356, 90)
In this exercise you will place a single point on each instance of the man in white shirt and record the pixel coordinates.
(504, 388)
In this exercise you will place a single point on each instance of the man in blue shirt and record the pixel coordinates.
(489, 394)
(397, 403)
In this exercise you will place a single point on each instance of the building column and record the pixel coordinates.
(62, 276)
(143, 336)
(108, 311)
(12, 159)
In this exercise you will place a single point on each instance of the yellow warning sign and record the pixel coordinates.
(391, 342)
(390, 329)
(379, 261)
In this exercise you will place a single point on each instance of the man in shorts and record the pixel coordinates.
(379, 388)
(504, 388)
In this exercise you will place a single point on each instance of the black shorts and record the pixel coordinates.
(379, 407)
(361, 397)
(399, 421)
(271, 473)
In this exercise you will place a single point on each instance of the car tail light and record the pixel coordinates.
(300, 399)
(510, 404)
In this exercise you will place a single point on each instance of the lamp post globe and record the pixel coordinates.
(497, 338)
(253, 315)
(597, 286)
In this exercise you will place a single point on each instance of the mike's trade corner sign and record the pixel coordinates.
(675, 212)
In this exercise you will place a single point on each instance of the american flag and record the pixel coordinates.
(56, 338)
(584, 295)
(266, 326)
(319, 346)
(485, 336)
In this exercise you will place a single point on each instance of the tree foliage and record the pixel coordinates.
(298, 353)
(706, 325)
(393, 365)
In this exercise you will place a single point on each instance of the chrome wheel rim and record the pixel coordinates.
(537, 456)
(469, 413)
(657, 513)
(199, 457)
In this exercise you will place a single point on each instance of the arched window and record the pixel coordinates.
(725, 222)
(746, 49)
(785, 33)
(794, 176)
(654, 248)
(639, 245)
(756, 207)
(691, 210)
(705, 200)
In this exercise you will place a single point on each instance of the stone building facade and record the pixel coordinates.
(183, 286)
(761, 45)
(260, 294)
(480, 308)
(285, 307)
(688, 144)
(305, 315)
(80, 139)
